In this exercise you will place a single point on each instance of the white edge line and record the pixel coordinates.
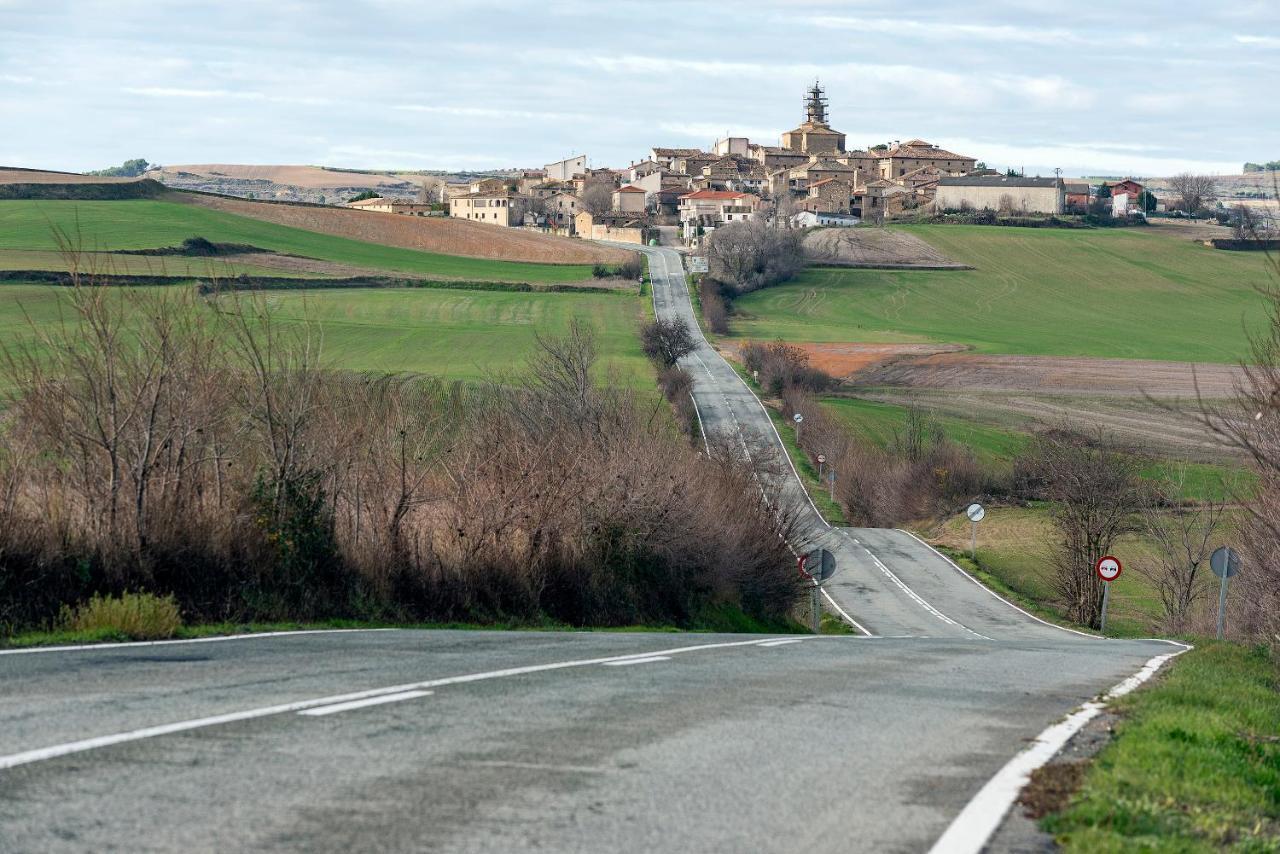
(845, 614)
(648, 660)
(958, 568)
(212, 639)
(321, 711)
(969, 832)
(27, 757)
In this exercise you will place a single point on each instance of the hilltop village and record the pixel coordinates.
(811, 177)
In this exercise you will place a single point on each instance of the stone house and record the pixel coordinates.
(829, 195)
(913, 154)
(490, 208)
(629, 199)
(1000, 192)
(488, 185)
(667, 157)
(621, 227)
(396, 206)
(562, 208)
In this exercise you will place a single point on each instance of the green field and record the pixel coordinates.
(145, 224)
(1120, 293)
(457, 334)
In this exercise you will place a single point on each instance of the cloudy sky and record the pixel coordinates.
(1090, 86)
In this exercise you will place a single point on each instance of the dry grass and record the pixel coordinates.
(137, 616)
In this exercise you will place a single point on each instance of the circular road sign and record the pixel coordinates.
(975, 512)
(1225, 562)
(1108, 568)
(822, 458)
(797, 418)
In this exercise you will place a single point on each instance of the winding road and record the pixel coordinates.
(404, 740)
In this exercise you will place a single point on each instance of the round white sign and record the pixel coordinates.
(822, 458)
(797, 418)
(1108, 568)
(975, 512)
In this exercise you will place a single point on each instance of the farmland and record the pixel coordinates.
(1125, 293)
(147, 224)
(456, 334)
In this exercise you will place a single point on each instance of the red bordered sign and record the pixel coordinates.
(1108, 568)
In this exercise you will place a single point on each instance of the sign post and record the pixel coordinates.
(817, 566)
(1109, 570)
(1225, 562)
(832, 478)
(976, 513)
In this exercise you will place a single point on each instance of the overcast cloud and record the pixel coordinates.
(1090, 87)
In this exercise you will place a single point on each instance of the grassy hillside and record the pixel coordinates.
(144, 224)
(464, 335)
(1109, 293)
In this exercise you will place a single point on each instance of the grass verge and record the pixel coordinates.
(726, 619)
(1194, 765)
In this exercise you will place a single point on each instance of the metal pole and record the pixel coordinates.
(820, 465)
(973, 542)
(817, 610)
(1106, 596)
(1222, 605)
(832, 478)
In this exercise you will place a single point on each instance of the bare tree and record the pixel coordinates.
(1183, 539)
(667, 341)
(597, 198)
(750, 255)
(1194, 191)
(1095, 492)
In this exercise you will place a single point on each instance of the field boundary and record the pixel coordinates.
(282, 283)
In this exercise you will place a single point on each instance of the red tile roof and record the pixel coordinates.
(630, 189)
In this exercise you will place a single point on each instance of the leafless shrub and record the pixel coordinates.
(715, 308)
(597, 198)
(667, 341)
(782, 366)
(751, 255)
(1183, 537)
(1095, 491)
(201, 447)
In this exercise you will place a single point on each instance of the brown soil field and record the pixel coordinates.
(1151, 404)
(10, 175)
(872, 247)
(311, 177)
(844, 360)
(429, 234)
(1055, 375)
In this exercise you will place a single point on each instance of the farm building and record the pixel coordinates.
(491, 208)
(1001, 193)
(396, 206)
(810, 219)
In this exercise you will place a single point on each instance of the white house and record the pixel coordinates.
(811, 219)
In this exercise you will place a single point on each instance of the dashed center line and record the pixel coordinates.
(360, 704)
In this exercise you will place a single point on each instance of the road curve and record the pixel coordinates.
(889, 582)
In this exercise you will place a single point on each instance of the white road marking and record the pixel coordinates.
(958, 568)
(969, 831)
(27, 757)
(781, 642)
(361, 704)
(845, 614)
(630, 661)
(916, 596)
(215, 639)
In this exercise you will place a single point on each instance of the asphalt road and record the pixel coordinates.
(558, 742)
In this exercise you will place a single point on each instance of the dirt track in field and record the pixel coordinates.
(428, 234)
(873, 247)
(311, 177)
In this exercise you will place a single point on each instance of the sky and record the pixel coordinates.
(1093, 87)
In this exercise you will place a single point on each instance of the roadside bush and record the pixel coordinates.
(600, 271)
(136, 616)
(715, 306)
(631, 268)
(782, 366)
(244, 479)
(920, 475)
(667, 341)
